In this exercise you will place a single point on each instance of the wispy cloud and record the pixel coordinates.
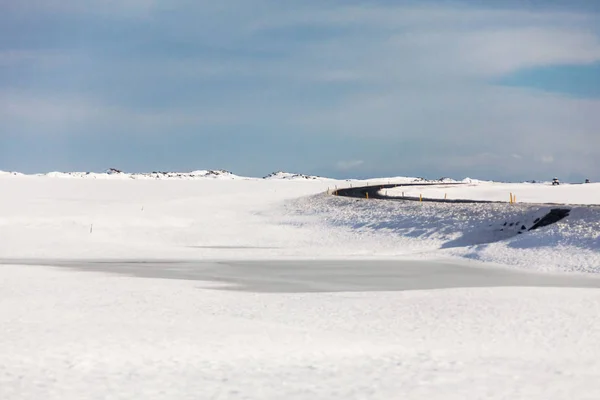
(348, 165)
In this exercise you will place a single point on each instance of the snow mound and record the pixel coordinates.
(291, 176)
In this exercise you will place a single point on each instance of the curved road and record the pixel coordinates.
(372, 192)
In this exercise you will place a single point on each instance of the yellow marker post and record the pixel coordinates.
(367, 195)
(511, 199)
(420, 197)
(514, 198)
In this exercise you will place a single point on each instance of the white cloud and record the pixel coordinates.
(547, 159)
(392, 42)
(348, 165)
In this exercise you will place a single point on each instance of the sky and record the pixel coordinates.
(506, 90)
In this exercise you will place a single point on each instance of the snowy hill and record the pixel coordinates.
(291, 176)
(116, 174)
(7, 173)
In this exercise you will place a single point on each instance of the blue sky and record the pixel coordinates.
(489, 89)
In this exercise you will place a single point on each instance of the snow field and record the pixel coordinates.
(68, 334)
(44, 217)
(71, 335)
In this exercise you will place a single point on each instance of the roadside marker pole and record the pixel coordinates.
(421, 198)
(445, 196)
(367, 195)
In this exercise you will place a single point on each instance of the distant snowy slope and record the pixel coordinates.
(116, 174)
(113, 173)
(291, 176)
(8, 173)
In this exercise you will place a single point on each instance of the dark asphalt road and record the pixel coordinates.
(373, 193)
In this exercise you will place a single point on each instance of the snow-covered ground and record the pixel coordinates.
(523, 192)
(495, 233)
(67, 334)
(48, 217)
(212, 216)
(81, 335)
